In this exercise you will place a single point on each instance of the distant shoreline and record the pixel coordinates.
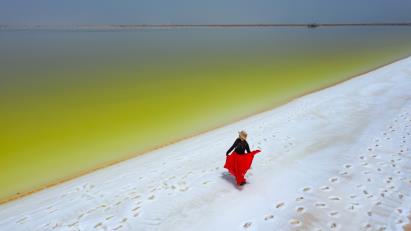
(172, 26)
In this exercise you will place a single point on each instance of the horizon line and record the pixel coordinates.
(166, 26)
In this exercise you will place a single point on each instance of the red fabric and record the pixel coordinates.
(238, 164)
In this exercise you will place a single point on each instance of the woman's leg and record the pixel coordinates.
(239, 178)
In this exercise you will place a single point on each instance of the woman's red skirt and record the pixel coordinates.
(238, 164)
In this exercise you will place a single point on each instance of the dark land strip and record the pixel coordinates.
(171, 26)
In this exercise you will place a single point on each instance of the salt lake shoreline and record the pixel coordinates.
(335, 159)
(134, 155)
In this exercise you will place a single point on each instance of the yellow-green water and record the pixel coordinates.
(72, 100)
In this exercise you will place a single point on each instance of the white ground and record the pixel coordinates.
(337, 159)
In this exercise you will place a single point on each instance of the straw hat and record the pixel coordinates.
(242, 134)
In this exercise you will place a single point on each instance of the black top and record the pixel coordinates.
(240, 146)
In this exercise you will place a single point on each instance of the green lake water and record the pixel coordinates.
(74, 100)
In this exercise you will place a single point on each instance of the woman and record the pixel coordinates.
(239, 162)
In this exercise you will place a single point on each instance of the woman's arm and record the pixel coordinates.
(233, 146)
(247, 147)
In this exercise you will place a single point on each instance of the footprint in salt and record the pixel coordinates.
(306, 189)
(362, 157)
(325, 188)
(247, 225)
(300, 209)
(280, 205)
(333, 214)
(151, 197)
(334, 198)
(382, 228)
(334, 179)
(320, 204)
(118, 227)
(333, 226)
(56, 225)
(299, 199)
(118, 203)
(347, 166)
(72, 224)
(269, 217)
(98, 225)
(367, 226)
(343, 173)
(22, 220)
(80, 216)
(295, 222)
(353, 206)
(378, 203)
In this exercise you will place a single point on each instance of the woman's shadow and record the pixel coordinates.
(228, 177)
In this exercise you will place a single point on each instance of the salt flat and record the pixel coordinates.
(336, 159)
